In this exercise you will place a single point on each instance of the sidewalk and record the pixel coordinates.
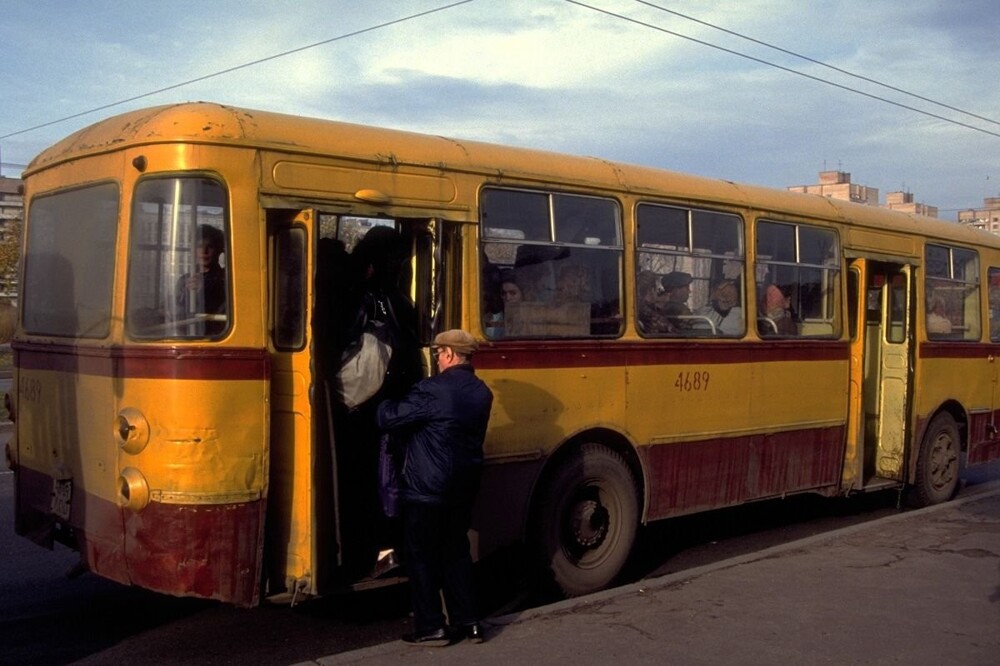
(921, 587)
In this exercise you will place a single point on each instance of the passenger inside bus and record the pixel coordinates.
(492, 300)
(573, 285)
(510, 290)
(780, 318)
(652, 298)
(937, 320)
(203, 291)
(379, 262)
(509, 296)
(724, 311)
(677, 290)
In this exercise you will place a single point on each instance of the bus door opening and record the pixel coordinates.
(391, 270)
(884, 343)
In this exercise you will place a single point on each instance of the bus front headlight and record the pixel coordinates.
(133, 490)
(132, 430)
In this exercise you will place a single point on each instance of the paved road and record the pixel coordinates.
(918, 588)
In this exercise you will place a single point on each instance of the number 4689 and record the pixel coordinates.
(692, 381)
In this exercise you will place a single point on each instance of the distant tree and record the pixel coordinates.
(10, 254)
(8, 322)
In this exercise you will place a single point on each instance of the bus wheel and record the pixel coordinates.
(586, 520)
(937, 466)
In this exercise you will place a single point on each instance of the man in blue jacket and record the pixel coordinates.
(442, 424)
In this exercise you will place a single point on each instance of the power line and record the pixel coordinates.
(819, 62)
(783, 68)
(239, 67)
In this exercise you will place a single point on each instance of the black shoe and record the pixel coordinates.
(472, 633)
(439, 638)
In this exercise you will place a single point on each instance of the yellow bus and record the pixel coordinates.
(658, 344)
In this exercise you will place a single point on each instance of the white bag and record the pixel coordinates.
(362, 373)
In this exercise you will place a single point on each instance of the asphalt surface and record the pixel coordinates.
(920, 587)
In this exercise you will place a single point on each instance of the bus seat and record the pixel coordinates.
(547, 319)
(766, 326)
(816, 327)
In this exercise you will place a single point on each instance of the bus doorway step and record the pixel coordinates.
(875, 484)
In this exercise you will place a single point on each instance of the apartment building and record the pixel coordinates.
(838, 185)
(986, 218)
(903, 202)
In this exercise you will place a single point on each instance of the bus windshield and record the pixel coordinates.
(69, 262)
(177, 281)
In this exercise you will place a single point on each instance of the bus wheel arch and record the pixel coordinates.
(585, 512)
(937, 465)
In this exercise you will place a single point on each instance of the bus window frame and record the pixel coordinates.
(685, 257)
(993, 301)
(298, 237)
(67, 282)
(226, 254)
(830, 273)
(970, 289)
(557, 225)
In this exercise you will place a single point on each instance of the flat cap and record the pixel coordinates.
(457, 340)
(675, 279)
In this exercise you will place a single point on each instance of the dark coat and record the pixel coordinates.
(442, 424)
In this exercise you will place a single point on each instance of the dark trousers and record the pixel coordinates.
(437, 559)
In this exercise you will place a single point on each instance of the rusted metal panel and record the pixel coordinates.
(183, 550)
(695, 476)
(207, 551)
(984, 443)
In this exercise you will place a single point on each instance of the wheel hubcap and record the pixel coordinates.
(943, 461)
(588, 523)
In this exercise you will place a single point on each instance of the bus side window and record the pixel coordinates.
(798, 280)
(993, 277)
(689, 272)
(551, 265)
(952, 294)
(290, 288)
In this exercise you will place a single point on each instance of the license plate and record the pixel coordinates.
(62, 492)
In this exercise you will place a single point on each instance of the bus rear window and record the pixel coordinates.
(178, 284)
(69, 262)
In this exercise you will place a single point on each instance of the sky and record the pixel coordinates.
(618, 79)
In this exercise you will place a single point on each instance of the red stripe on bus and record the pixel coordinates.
(958, 350)
(145, 362)
(609, 353)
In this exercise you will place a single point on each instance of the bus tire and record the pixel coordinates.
(936, 478)
(586, 519)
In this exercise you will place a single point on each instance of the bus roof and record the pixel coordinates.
(210, 123)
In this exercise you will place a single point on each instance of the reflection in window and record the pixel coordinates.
(797, 275)
(290, 288)
(689, 278)
(994, 295)
(178, 260)
(952, 293)
(69, 262)
(551, 265)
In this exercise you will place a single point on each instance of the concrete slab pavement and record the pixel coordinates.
(921, 587)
